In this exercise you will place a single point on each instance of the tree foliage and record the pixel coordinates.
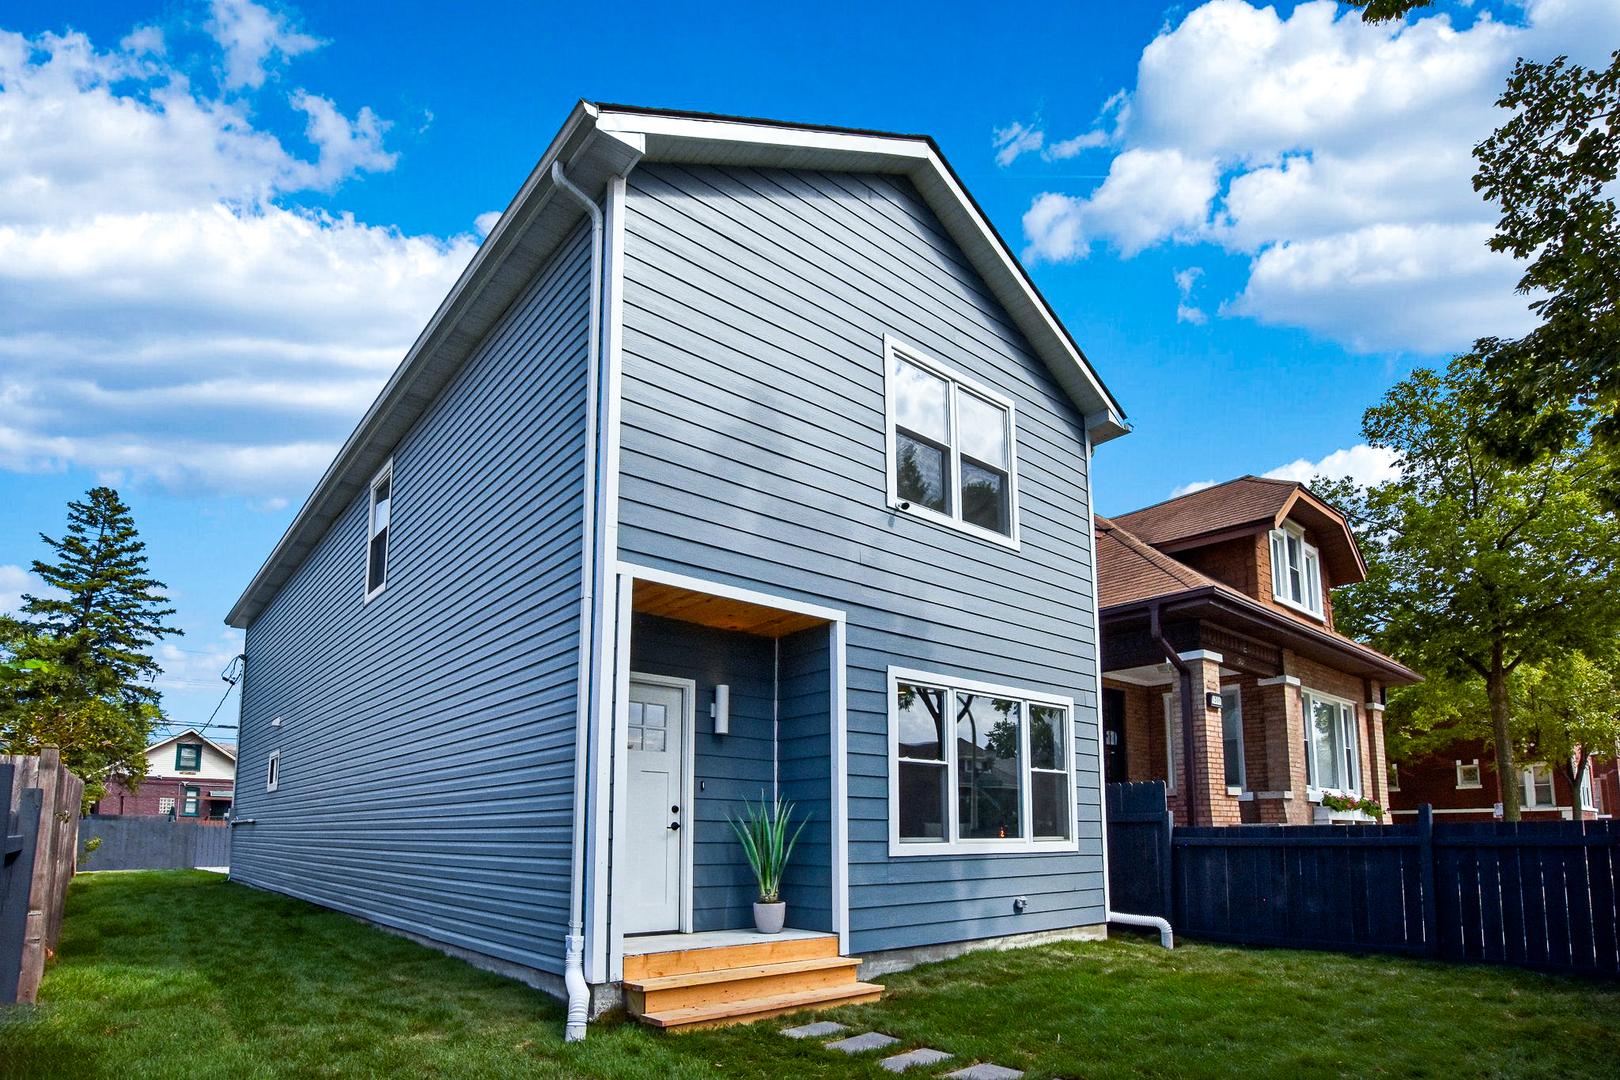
(1569, 709)
(79, 661)
(1476, 567)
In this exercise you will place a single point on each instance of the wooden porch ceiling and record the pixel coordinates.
(671, 602)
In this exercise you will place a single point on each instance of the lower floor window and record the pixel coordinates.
(1538, 786)
(188, 807)
(165, 806)
(1332, 752)
(978, 765)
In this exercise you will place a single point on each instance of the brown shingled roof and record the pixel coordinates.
(1129, 570)
(1248, 500)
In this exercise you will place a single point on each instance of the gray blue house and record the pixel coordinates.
(743, 459)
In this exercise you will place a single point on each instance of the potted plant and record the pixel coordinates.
(766, 843)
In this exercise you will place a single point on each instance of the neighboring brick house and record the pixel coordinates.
(1461, 782)
(188, 776)
(1236, 580)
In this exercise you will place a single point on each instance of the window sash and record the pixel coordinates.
(379, 523)
(1538, 786)
(188, 757)
(1332, 756)
(1232, 736)
(1468, 774)
(189, 805)
(978, 472)
(916, 782)
(1296, 570)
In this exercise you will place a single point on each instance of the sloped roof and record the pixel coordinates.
(598, 142)
(228, 749)
(1132, 572)
(1248, 504)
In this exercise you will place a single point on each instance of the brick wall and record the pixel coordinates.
(146, 799)
(1433, 780)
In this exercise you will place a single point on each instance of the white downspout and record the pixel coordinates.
(1154, 922)
(579, 991)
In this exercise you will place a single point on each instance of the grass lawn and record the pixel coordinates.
(172, 974)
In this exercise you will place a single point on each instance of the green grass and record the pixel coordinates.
(181, 974)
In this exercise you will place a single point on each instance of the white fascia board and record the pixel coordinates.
(527, 232)
(719, 141)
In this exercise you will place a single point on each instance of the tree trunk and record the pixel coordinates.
(1507, 776)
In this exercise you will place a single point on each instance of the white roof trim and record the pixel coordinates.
(597, 142)
(194, 733)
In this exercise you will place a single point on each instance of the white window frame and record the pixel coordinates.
(1350, 729)
(953, 844)
(1172, 744)
(1587, 794)
(1394, 776)
(1469, 785)
(167, 805)
(1232, 702)
(1527, 781)
(1310, 572)
(957, 382)
(384, 473)
(272, 771)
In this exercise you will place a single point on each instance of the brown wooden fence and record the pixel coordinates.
(1543, 894)
(39, 806)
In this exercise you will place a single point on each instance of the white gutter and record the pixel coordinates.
(1166, 935)
(579, 991)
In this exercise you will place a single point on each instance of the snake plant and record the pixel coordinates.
(765, 841)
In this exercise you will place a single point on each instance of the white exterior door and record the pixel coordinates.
(653, 877)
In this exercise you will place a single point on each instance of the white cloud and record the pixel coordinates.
(196, 664)
(14, 581)
(1335, 155)
(253, 38)
(1013, 140)
(1189, 488)
(1186, 311)
(168, 312)
(1367, 465)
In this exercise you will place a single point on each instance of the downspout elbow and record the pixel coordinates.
(579, 993)
(1167, 937)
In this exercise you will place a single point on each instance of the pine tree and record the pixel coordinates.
(110, 612)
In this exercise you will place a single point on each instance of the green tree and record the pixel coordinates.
(1569, 709)
(1476, 567)
(82, 656)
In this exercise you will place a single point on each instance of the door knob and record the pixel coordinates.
(674, 826)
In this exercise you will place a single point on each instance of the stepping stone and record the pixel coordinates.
(925, 1056)
(985, 1071)
(813, 1031)
(859, 1044)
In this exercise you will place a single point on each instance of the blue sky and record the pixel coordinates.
(222, 222)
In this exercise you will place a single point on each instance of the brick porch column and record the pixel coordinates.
(1283, 800)
(1377, 785)
(1207, 769)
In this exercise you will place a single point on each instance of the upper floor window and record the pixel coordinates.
(977, 768)
(1332, 751)
(187, 757)
(1538, 786)
(382, 490)
(272, 771)
(1296, 570)
(952, 447)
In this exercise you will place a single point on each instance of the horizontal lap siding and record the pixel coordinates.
(427, 737)
(753, 452)
(804, 765)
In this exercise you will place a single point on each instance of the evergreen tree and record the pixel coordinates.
(110, 611)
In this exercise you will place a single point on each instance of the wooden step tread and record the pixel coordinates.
(752, 971)
(735, 1012)
(763, 950)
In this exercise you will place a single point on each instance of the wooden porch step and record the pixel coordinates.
(661, 994)
(749, 1010)
(720, 957)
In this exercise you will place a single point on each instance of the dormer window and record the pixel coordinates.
(188, 757)
(1296, 570)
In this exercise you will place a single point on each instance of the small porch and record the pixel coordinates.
(728, 697)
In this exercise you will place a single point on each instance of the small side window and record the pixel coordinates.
(272, 771)
(1468, 774)
(382, 492)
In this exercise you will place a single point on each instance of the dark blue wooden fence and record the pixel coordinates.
(1537, 894)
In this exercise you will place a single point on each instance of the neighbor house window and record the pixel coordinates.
(272, 771)
(165, 806)
(977, 768)
(1232, 735)
(1468, 774)
(188, 805)
(1332, 753)
(952, 447)
(1589, 792)
(1538, 786)
(1394, 777)
(1296, 570)
(188, 757)
(382, 491)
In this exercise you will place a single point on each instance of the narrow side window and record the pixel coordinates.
(377, 532)
(272, 771)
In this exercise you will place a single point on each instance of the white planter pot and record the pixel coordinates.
(768, 918)
(1321, 815)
